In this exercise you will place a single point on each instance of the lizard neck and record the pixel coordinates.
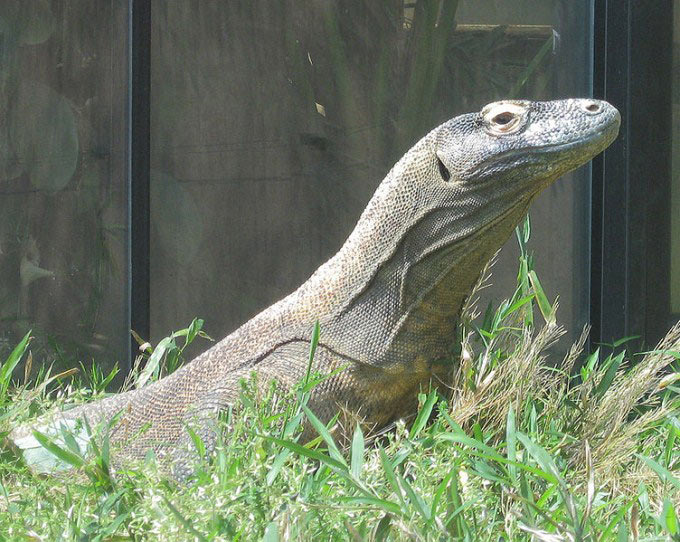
(406, 308)
(394, 291)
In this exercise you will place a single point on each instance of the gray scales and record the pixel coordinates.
(388, 302)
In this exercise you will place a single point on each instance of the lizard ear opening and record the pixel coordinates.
(443, 171)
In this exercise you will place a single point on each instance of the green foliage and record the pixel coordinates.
(520, 450)
(167, 357)
(10, 363)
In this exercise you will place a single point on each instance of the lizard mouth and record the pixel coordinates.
(598, 140)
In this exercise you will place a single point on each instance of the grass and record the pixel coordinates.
(519, 447)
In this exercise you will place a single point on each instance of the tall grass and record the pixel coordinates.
(518, 447)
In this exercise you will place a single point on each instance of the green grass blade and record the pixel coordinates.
(542, 458)
(357, 452)
(316, 332)
(423, 415)
(669, 449)
(199, 445)
(103, 459)
(271, 533)
(185, 522)
(670, 520)
(291, 425)
(517, 304)
(459, 526)
(618, 519)
(325, 434)
(589, 364)
(511, 443)
(60, 453)
(153, 363)
(527, 496)
(662, 472)
(10, 363)
(382, 529)
(315, 380)
(388, 506)
(624, 340)
(71, 442)
(472, 443)
(441, 488)
(609, 375)
(308, 452)
(416, 500)
(390, 475)
(277, 465)
(486, 471)
(544, 305)
(523, 289)
(622, 534)
(193, 330)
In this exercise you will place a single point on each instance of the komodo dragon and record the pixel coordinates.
(389, 300)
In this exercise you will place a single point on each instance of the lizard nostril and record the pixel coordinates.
(592, 107)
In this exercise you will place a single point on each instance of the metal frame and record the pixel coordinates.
(139, 151)
(630, 251)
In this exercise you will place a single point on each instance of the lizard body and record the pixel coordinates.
(389, 300)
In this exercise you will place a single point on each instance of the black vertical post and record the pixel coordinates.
(631, 180)
(651, 115)
(609, 248)
(597, 174)
(139, 54)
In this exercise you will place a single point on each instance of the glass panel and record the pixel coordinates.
(675, 182)
(272, 125)
(62, 178)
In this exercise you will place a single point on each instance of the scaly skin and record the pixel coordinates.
(389, 300)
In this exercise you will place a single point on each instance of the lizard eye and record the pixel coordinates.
(503, 118)
(443, 171)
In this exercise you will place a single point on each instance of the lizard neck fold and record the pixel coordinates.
(408, 309)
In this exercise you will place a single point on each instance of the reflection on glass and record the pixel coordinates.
(273, 123)
(62, 209)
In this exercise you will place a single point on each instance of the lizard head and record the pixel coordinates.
(511, 150)
(471, 179)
